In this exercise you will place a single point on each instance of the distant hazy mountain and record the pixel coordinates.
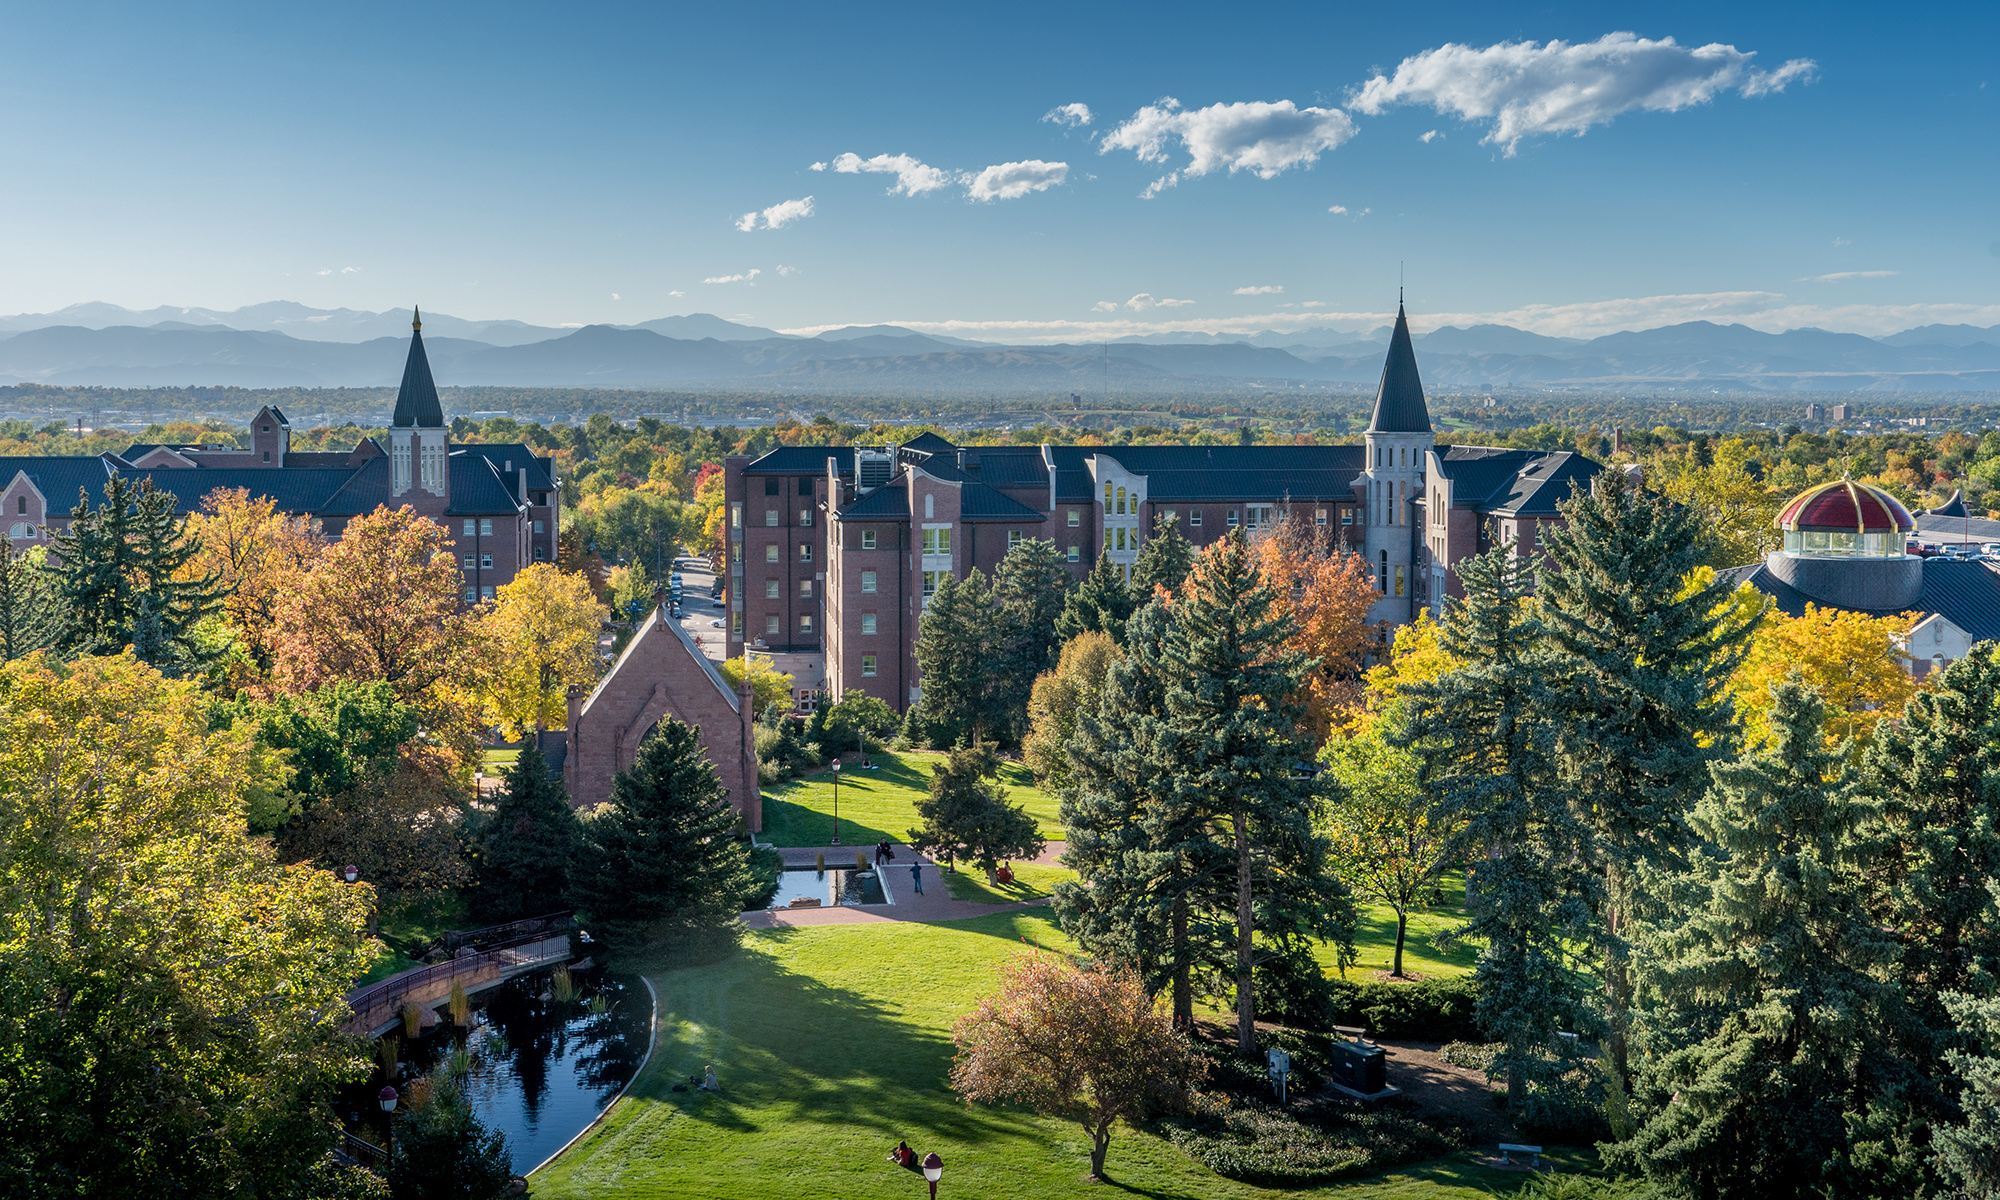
(1493, 339)
(1944, 335)
(704, 325)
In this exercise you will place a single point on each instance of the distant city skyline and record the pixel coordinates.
(1039, 174)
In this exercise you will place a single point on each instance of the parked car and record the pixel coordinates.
(715, 624)
(1990, 548)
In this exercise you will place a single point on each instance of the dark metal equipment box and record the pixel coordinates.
(1359, 1066)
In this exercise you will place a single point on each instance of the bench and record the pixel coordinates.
(1509, 1149)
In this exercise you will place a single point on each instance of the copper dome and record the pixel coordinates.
(1845, 506)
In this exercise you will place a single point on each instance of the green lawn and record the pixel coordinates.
(1031, 880)
(498, 760)
(408, 922)
(881, 803)
(1375, 938)
(831, 1043)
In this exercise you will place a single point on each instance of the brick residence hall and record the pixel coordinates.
(832, 549)
(500, 504)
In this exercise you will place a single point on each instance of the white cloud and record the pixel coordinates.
(1268, 289)
(1427, 138)
(787, 271)
(616, 296)
(1843, 241)
(818, 166)
(1313, 304)
(350, 270)
(328, 271)
(778, 215)
(913, 178)
(1837, 276)
(1071, 115)
(1007, 181)
(676, 293)
(746, 277)
(1530, 88)
(1338, 210)
(1146, 300)
(1105, 306)
(1259, 136)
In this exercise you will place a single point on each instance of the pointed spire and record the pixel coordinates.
(416, 318)
(417, 400)
(1399, 402)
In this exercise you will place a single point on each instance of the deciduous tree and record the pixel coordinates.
(768, 685)
(1082, 1044)
(543, 631)
(1057, 699)
(257, 551)
(1853, 660)
(966, 814)
(1326, 591)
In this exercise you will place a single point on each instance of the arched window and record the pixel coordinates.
(930, 506)
(1107, 497)
(1121, 502)
(1382, 579)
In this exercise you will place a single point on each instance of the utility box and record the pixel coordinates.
(1359, 1067)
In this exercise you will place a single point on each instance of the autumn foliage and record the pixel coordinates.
(260, 552)
(1326, 590)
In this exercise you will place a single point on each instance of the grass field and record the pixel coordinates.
(881, 803)
(833, 1042)
(1375, 938)
(1031, 880)
(406, 923)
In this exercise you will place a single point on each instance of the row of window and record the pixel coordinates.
(473, 594)
(773, 486)
(773, 626)
(773, 590)
(773, 554)
(805, 517)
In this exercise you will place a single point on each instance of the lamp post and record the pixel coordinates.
(388, 1098)
(836, 800)
(933, 1171)
(351, 873)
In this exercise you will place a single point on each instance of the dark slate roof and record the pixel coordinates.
(1008, 467)
(293, 489)
(1399, 402)
(1981, 529)
(59, 479)
(889, 503)
(541, 474)
(940, 466)
(800, 460)
(929, 443)
(977, 502)
(417, 400)
(367, 489)
(1954, 507)
(1203, 487)
(295, 459)
(1965, 593)
(1203, 474)
(1491, 479)
(478, 487)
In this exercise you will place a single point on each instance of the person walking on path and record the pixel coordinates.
(917, 876)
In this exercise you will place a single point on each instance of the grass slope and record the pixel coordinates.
(1031, 880)
(881, 803)
(1375, 938)
(833, 1042)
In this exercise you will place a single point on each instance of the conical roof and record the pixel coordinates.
(1399, 402)
(1954, 507)
(417, 400)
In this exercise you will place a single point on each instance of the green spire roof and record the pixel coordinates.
(417, 400)
(1399, 403)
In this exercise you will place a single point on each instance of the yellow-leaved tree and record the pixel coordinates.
(260, 552)
(543, 628)
(1853, 660)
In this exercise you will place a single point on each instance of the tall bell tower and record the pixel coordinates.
(1399, 436)
(417, 431)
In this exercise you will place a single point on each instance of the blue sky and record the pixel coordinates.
(576, 164)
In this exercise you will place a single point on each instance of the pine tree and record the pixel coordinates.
(1639, 668)
(1101, 602)
(118, 583)
(1969, 1151)
(1029, 588)
(662, 876)
(1481, 733)
(443, 1151)
(26, 615)
(1163, 562)
(1761, 977)
(954, 651)
(527, 846)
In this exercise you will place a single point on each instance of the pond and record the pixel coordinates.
(538, 1069)
(835, 885)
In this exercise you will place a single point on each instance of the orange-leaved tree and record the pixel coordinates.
(1327, 591)
(1085, 1044)
(1854, 661)
(260, 551)
(384, 603)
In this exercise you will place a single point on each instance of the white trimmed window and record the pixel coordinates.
(1013, 538)
(771, 552)
(1075, 517)
(1076, 554)
(868, 582)
(771, 589)
(867, 539)
(805, 589)
(771, 624)
(770, 516)
(868, 622)
(868, 665)
(1194, 518)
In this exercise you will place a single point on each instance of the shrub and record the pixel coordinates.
(1472, 1056)
(1434, 1010)
(1257, 1143)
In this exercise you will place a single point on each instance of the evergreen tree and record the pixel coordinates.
(966, 815)
(1640, 662)
(118, 584)
(26, 615)
(1481, 734)
(955, 644)
(1763, 1005)
(662, 875)
(527, 846)
(1969, 1151)
(443, 1151)
(1028, 594)
(1164, 561)
(1101, 602)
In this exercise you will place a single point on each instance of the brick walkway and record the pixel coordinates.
(935, 904)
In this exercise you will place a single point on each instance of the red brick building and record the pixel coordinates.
(501, 504)
(832, 549)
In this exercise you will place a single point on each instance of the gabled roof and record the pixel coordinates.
(366, 490)
(929, 443)
(890, 502)
(478, 487)
(1954, 507)
(59, 479)
(1514, 483)
(1399, 401)
(541, 476)
(977, 502)
(298, 490)
(800, 460)
(417, 400)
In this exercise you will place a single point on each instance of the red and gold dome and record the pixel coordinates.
(1844, 519)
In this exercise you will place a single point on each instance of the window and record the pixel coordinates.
(867, 539)
(267, 456)
(771, 588)
(1319, 516)
(470, 562)
(1121, 502)
(805, 552)
(771, 553)
(486, 526)
(21, 529)
(471, 594)
(1107, 499)
(736, 624)
(541, 553)
(486, 593)
(1076, 553)
(937, 541)
(770, 516)
(868, 622)
(806, 486)
(1169, 514)
(1194, 518)
(21, 505)
(771, 487)
(931, 581)
(736, 554)
(538, 527)
(1013, 538)
(736, 516)
(1259, 516)
(486, 562)
(805, 589)
(930, 506)
(1075, 517)
(1121, 537)
(1347, 516)
(868, 665)
(1382, 575)
(1399, 581)
(402, 466)
(470, 526)
(806, 624)
(1232, 518)
(805, 518)
(868, 582)
(771, 624)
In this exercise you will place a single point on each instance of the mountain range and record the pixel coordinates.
(282, 344)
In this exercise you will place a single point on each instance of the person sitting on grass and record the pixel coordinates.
(708, 1082)
(904, 1157)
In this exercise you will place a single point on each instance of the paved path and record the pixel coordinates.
(935, 904)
